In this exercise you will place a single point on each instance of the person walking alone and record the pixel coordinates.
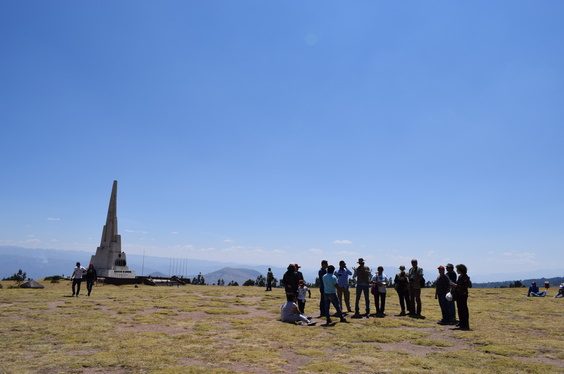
(269, 277)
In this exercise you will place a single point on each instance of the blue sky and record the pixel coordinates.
(268, 132)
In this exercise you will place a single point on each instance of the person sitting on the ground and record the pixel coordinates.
(534, 290)
(291, 313)
(560, 291)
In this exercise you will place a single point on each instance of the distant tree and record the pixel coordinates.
(274, 282)
(260, 281)
(233, 283)
(516, 284)
(249, 282)
(18, 277)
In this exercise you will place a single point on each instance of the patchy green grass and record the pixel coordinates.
(213, 329)
(431, 342)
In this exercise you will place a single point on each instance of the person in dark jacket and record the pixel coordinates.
(450, 303)
(534, 290)
(400, 284)
(90, 277)
(291, 280)
(442, 287)
(320, 274)
(461, 290)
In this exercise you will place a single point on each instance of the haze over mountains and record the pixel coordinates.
(40, 263)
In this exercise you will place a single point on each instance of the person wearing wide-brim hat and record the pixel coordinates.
(363, 275)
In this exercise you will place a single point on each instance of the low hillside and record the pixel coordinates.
(227, 274)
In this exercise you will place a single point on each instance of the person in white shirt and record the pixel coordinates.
(77, 278)
(291, 313)
(380, 281)
(303, 292)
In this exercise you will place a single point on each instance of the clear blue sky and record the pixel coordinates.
(268, 132)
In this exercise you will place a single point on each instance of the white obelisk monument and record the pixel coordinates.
(109, 261)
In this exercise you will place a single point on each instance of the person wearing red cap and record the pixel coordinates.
(442, 287)
(300, 275)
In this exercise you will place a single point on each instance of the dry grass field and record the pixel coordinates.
(212, 329)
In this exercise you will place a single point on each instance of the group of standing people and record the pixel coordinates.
(79, 273)
(450, 289)
(334, 290)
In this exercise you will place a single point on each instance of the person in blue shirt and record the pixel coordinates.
(534, 290)
(343, 285)
(330, 294)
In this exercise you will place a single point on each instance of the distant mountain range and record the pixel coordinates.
(40, 263)
(239, 275)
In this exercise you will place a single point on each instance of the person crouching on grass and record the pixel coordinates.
(302, 291)
(291, 313)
